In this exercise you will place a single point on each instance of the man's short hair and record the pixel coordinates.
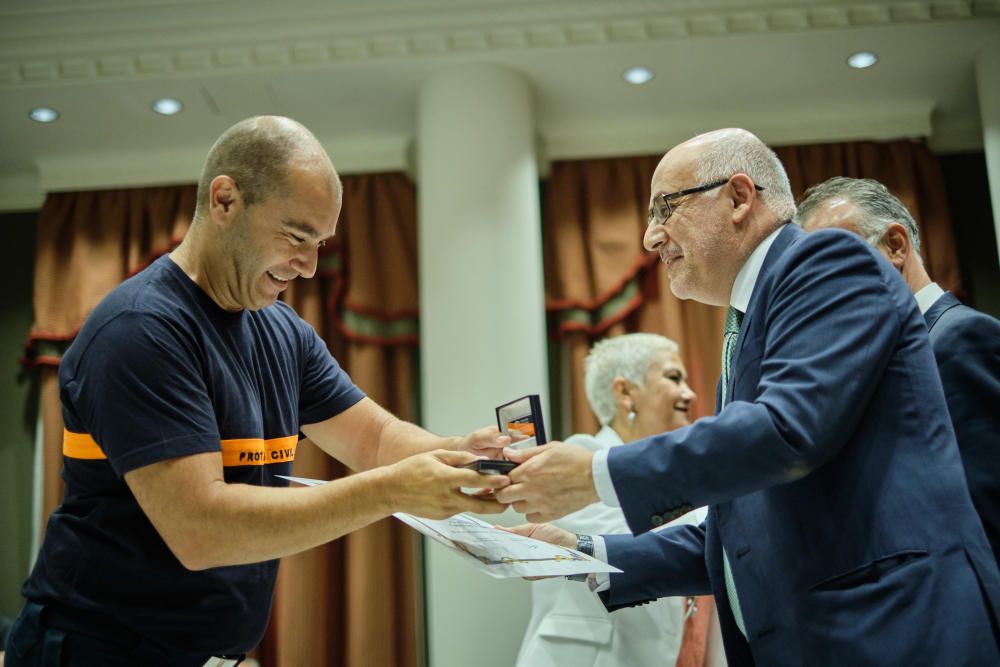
(744, 153)
(626, 356)
(255, 153)
(876, 206)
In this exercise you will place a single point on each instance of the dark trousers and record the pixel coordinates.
(46, 637)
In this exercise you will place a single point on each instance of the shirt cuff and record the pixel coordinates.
(600, 581)
(602, 478)
(597, 581)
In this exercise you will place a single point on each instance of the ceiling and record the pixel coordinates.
(351, 70)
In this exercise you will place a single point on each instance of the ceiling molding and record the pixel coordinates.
(25, 189)
(353, 155)
(112, 44)
(20, 191)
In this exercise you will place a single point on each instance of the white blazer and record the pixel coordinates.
(569, 625)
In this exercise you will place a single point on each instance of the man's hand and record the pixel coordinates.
(550, 482)
(429, 485)
(487, 442)
(546, 532)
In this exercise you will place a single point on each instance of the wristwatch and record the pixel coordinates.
(584, 544)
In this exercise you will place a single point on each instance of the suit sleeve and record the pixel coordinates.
(657, 564)
(830, 325)
(968, 356)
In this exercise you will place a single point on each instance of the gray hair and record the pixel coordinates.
(877, 207)
(743, 153)
(626, 356)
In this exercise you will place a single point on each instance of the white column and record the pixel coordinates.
(988, 88)
(482, 317)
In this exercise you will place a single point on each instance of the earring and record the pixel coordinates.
(631, 417)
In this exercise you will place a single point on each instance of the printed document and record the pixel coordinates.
(497, 552)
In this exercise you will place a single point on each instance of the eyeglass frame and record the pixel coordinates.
(667, 196)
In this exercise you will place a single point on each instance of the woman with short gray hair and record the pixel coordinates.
(637, 387)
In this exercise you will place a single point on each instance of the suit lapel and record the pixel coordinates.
(789, 235)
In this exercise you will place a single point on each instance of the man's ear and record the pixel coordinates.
(225, 199)
(896, 244)
(743, 193)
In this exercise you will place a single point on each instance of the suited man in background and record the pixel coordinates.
(840, 527)
(966, 342)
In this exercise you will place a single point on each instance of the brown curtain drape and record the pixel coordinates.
(87, 243)
(908, 169)
(357, 600)
(600, 282)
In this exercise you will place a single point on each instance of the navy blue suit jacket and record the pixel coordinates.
(833, 477)
(967, 348)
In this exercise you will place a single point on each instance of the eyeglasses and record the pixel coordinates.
(661, 208)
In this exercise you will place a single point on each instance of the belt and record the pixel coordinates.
(102, 626)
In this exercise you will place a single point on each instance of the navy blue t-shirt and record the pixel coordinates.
(157, 372)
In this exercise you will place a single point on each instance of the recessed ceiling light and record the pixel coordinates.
(167, 106)
(43, 115)
(862, 59)
(637, 75)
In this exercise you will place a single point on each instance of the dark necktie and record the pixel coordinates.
(730, 333)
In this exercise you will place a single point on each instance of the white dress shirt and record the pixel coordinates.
(927, 296)
(738, 299)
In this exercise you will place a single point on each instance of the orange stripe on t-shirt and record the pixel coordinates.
(81, 446)
(237, 452)
(258, 452)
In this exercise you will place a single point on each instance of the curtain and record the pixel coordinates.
(355, 601)
(600, 282)
(87, 243)
(909, 170)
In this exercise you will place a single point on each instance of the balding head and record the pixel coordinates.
(718, 155)
(258, 153)
(268, 199)
(714, 198)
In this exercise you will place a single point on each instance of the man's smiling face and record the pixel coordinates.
(691, 241)
(277, 240)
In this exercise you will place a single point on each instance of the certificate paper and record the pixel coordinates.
(501, 554)
(497, 552)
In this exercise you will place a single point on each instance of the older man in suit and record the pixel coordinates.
(840, 528)
(966, 342)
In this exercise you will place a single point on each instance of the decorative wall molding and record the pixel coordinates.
(193, 39)
(353, 155)
(24, 190)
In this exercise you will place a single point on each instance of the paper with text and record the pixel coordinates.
(497, 552)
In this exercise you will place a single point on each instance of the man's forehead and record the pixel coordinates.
(671, 174)
(674, 170)
(836, 212)
(313, 202)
